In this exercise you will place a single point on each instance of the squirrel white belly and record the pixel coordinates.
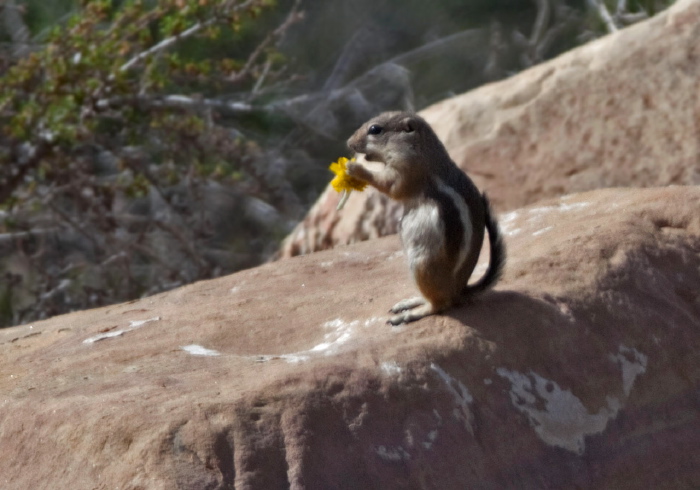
(445, 215)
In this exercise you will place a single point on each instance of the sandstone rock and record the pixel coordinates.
(620, 111)
(580, 370)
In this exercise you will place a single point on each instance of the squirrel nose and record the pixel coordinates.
(355, 145)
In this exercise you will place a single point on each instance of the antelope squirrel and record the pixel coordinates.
(442, 228)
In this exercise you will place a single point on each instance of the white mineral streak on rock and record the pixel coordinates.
(461, 395)
(630, 368)
(198, 350)
(133, 325)
(392, 454)
(558, 416)
(390, 368)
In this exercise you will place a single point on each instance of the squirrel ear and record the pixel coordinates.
(408, 125)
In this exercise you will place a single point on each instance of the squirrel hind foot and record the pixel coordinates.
(407, 304)
(417, 313)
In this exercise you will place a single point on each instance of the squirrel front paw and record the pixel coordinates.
(357, 171)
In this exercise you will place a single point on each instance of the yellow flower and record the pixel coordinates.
(343, 182)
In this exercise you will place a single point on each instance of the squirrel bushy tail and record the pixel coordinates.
(497, 257)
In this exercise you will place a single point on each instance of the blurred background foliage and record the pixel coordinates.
(148, 144)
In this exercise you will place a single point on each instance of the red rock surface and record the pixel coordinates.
(621, 111)
(580, 370)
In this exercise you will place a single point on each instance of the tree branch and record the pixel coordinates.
(17, 28)
(293, 17)
(541, 22)
(176, 101)
(21, 235)
(605, 16)
(167, 42)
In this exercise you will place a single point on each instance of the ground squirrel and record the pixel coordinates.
(445, 215)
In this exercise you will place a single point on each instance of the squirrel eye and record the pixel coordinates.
(374, 129)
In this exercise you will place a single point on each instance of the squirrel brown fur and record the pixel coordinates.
(445, 215)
